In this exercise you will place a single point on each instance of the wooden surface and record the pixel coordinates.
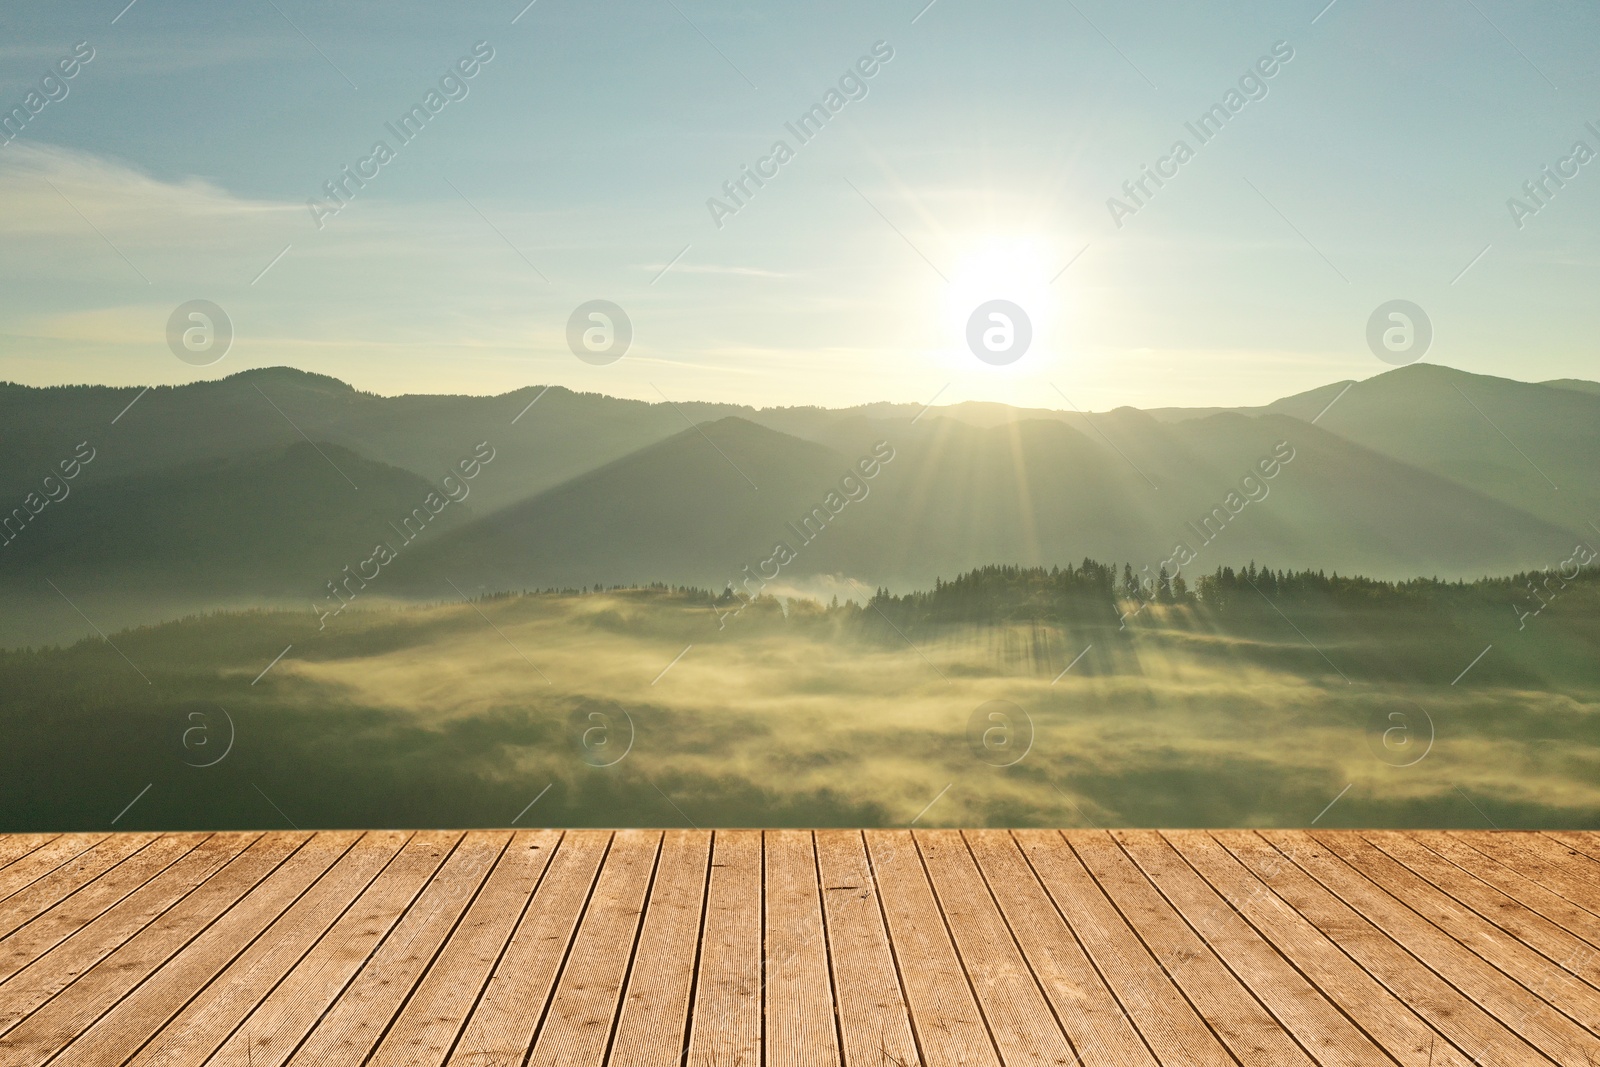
(837, 948)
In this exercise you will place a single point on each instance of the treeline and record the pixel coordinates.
(1000, 593)
(1094, 591)
(1226, 588)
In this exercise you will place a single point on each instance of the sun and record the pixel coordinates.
(1009, 268)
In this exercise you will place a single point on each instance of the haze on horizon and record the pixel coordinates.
(977, 162)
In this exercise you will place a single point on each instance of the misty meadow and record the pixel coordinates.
(1008, 696)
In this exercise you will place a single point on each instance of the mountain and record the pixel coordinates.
(1307, 406)
(563, 434)
(1530, 446)
(1033, 492)
(1576, 384)
(235, 491)
(278, 522)
(681, 510)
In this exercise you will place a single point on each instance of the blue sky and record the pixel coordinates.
(1378, 166)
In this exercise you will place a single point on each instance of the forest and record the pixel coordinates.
(1003, 696)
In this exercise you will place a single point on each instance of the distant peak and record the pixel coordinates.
(1127, 414)
(1576, 385)
(735, 426)
(288, 375)
(1421, 371)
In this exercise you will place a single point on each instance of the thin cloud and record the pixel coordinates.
(118, 197)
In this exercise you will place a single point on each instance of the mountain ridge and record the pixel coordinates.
(1418, 470)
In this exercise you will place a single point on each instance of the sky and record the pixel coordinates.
(1376, 163)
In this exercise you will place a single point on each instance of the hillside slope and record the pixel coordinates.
(215, 493)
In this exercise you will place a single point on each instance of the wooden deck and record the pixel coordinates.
(746, 947)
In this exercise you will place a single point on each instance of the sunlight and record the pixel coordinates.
(1011, 268)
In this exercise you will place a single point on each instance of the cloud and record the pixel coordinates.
(43, 184)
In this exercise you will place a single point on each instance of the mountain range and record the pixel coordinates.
(265, 486)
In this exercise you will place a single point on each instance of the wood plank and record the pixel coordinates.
(1228, 1007)
(1166, 1020)
(1381, 1015)
(280, 1021)
(1509, 956)
(24, 871)
(578, 1027)
(70, 915)
(655, 1008)
(1545, 861)
(353, 1026)
(944, 1013)
(186, 1010)
(1515, 884)
(825, 949)
(69, 939)
(1476, 981)
(1516, 917)
(873, 1019)
(1469, 1027)
(725, 1025)
(29, 903)
(427, 1027)
(1297, 1006)
(503, 1024)
(1530, 975)
(1020, 1019)
(170, 957)
(15, 846)
(799, 998)
(1099, 1029)
(1577, 842)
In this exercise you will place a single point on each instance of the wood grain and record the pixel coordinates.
(655, 1009)
(726, 1022)
(1390, 1023)
(873, 1019)
(427, 1027)
(949, 1026)
(578, 1027)
(1167, 1021)
(801, 948)
(503, 1024)
(800, 1024)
